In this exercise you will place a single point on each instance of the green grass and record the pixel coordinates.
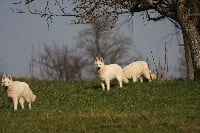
(81, 106)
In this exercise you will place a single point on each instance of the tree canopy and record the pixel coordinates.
(87, 11)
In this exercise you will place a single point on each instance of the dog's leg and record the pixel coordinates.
(21, 101)
(141, 78)
(120, 83)
(119, 79)
(15, 102)
(29, 105)
(134, 79)
(29, 102)
(102, 85)
(108, 85)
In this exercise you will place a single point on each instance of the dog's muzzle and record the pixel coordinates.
(5, 88)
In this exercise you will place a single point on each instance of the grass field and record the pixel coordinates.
(81, 106)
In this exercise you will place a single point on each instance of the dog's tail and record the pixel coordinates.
(33, 98)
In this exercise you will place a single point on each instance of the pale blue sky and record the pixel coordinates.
(19, 32)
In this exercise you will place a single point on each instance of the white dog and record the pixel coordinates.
(109, 72)
(137, 70)
(17, 90)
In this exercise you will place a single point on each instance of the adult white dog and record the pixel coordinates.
(137, 70)
(17, 91)
(109, 72)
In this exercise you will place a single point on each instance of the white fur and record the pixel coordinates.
(109, 72)
(153, 76)
(17, 91)
(137, 70)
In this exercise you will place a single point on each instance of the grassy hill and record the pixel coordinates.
(81, 106)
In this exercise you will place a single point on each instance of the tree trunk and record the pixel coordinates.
(188, 57)
(191, 35)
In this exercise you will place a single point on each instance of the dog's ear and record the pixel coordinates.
(9, 76)
(101, 59)
(96, 58)
(4, 76)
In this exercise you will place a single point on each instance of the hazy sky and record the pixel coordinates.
(19, 32)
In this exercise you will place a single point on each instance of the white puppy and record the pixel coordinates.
(17, 91)
(137, 70)
(109, 72)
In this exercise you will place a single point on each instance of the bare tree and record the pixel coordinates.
(185, 14)
(56, 62)
(96, 41)
(161, 67)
